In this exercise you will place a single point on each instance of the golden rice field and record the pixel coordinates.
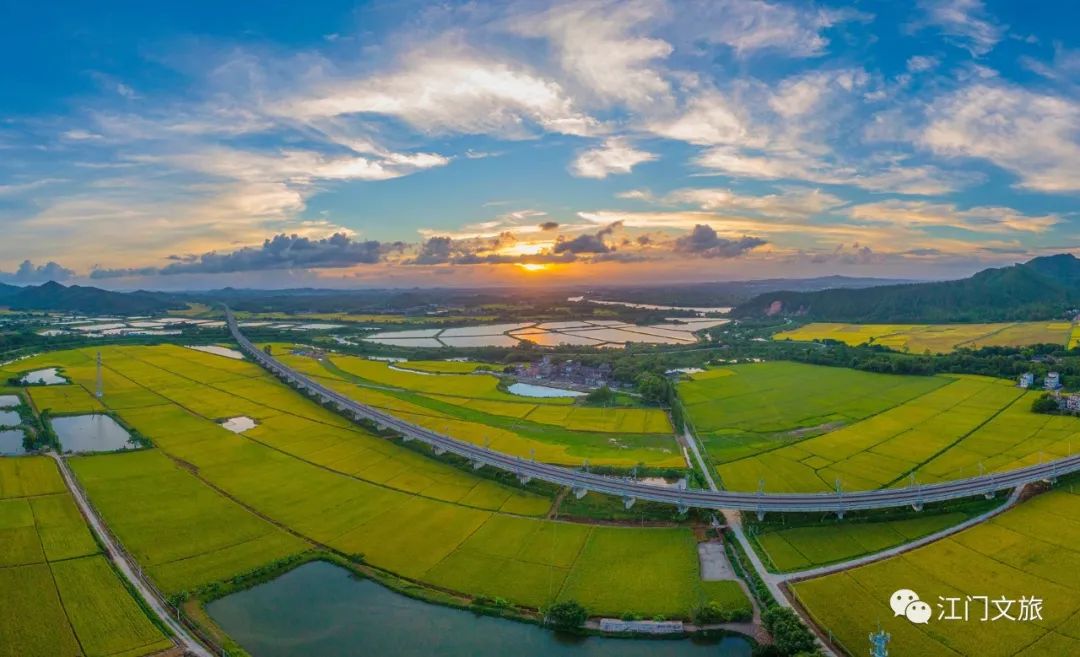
(472, 408)
(935, 338)
(60, 594)
(208, 504)
(1074, 341)
(799, 548)
(1030, 551)
(954, 426)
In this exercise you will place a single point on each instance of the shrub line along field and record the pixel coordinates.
(1029, 551)
(209, 504)
(61, 594)
(938, 428)
(936, 338)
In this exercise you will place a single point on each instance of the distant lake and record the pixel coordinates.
(701, 310)
(321, 610)
(91, 433)
(49, 376)
(531, 390)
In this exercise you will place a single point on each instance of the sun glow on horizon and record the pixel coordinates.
(534, 266)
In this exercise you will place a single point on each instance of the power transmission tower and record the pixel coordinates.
(100, 392)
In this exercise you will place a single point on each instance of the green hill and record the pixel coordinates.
(1043, 288)
(91, 300)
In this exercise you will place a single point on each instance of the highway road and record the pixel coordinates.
(630, 490)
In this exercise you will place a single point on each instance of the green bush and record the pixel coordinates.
(789, 635)
(568, 615)
(1045, 403)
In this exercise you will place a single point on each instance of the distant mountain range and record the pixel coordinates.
(1042, 288)
(728, 293)
(90, 300)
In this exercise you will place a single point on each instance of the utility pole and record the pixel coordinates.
(100, 392)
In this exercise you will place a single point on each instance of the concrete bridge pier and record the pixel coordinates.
(523, 478)
(579, 491)
(439, 451)
(476, 465)
(628, 501)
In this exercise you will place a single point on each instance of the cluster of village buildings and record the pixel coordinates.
(1069, 403)
(567, 372)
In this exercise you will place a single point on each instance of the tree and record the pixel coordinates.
(1046, 403)
(567, 615)
(789, 635)
(601, 396)
(653, 387)
(267, 350)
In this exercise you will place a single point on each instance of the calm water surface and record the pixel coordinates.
(9, 401)
(11, 442)
(9, 419)
(320, 610)
(49, 377)
(531, 390)
(91, 433)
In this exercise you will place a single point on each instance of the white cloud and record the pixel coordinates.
(748, 26)
(922, 63)
(792, 202)
(798, 166)
(598, 46)
(1035, 136)
(807, 94)
(614, 156)
(984, 219)
(709, 118)
(964, 21)
(450, 93)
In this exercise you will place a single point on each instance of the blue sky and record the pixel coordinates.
(174, 145)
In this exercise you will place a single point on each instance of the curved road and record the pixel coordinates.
(630, 490)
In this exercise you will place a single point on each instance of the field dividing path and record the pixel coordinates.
(128, 569)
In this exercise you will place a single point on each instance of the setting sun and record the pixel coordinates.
(534, 266)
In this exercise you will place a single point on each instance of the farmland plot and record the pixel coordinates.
(61, 596)
(959, 427)
(1028, 551)
(357, 494)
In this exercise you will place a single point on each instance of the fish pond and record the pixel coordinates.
(11, 442)
(91, 433)
(533, 390)
(322, 610)
(49, 377)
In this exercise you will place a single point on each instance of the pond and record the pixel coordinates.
(239, 424)
(91, 433)
(531, 390)
(219, 351)
(11, 442)
(50, 377)
(321, 610)
(9, 419)
(9, 401)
